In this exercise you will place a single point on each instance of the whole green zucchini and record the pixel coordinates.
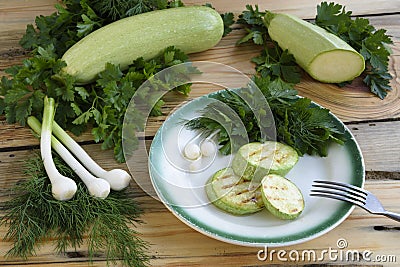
(191, 29)
(323, 55)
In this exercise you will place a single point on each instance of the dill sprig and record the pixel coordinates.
(105, 225)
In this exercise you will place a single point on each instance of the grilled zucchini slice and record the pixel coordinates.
(230, 193)
(281, 197)
(255, 160)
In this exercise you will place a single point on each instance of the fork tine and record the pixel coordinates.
(339, 195)
(349, 189)
(339, 191)
(349, 186)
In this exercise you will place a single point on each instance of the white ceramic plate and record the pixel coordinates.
(183, 192)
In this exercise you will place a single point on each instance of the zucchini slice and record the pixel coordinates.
(255, 160)
(230, 193)
(281, 197)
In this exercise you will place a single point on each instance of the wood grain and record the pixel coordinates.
(373, 122)
(175, 244)
(305, 9)
(379, 143)
(350, 103)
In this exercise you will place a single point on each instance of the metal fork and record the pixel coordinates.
(352, 194)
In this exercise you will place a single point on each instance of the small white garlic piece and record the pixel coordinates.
(207, 148)
(192, 151)
(195, 166)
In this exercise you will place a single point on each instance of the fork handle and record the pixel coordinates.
(392, 215)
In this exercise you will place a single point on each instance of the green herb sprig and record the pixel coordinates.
(306, 127)
(363, 37)
(104, 225)
(272, 62)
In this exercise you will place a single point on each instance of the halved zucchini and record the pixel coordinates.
(255, 160)
(281, 197)
(323, 55)
(230, 193)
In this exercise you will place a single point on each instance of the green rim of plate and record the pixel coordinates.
(342, 212)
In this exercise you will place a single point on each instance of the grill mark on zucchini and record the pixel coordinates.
(255, 160)
(228, 186)
(239, 198)
(252, 199)
(255, 152)
(281, 197)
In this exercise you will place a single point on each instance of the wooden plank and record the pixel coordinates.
(351, 103)
(187, 246)
(379, 144)
(305, 8)
(375, 140)
(16, 14)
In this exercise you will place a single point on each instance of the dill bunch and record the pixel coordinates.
(32, 215)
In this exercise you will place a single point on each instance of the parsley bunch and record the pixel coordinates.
(363, 37)
(100, 105)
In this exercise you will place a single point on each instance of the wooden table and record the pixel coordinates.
(374, 122)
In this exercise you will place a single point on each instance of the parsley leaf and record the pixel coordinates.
(228, 20)
(277, 64)
(254, 21)
(273, 62)
(363, 37)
